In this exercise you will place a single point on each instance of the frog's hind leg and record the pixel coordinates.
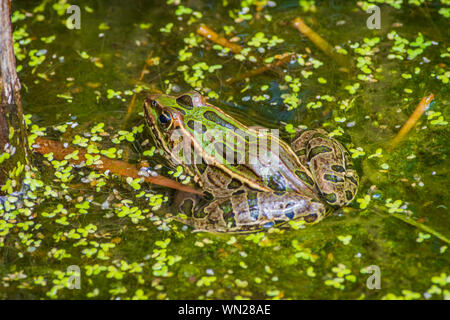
(300, 143)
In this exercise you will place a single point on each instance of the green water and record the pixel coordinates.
(88, 77)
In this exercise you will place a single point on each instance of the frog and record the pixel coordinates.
(251, 178)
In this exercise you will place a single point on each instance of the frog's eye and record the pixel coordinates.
(185, 102)
(165, 118)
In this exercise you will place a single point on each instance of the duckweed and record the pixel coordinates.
(120, 233)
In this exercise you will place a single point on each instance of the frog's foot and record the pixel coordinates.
(199, 213)
(186, 202)
(212, 218)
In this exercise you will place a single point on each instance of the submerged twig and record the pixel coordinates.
(122, 168)
(421, 226)
(415, 116)
(208, 33)
(282, 59)
(416, 224)
(148, 63)
(322, 44)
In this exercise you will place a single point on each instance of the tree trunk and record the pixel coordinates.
(13, 140)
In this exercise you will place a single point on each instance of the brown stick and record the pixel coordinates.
(208, 33)
(148, 62)
(322, 44)
(282, 59)
(43, 146)
(415, 116)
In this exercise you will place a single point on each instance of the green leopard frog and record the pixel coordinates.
(252, 178)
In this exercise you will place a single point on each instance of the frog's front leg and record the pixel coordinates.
(254, 210)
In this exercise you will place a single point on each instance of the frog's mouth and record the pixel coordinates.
(150, 114)
(151, 108)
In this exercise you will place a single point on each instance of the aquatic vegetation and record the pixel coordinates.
(121, 232)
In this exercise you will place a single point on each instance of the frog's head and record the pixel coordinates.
(165, 114)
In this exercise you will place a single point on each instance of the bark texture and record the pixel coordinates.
(13, 142)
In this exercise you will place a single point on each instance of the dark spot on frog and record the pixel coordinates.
(352, 180)
(333, 178)
(318, 150)
(211, 116)
(305, 178)
(196, 126)
(268, 225)
(338, 168)
(201, 167)
(186, 102)
(277, 182)
(330, 198)
(348, 195)
(253, 206)
(234, 184)
(290, 215)
(310, 218)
